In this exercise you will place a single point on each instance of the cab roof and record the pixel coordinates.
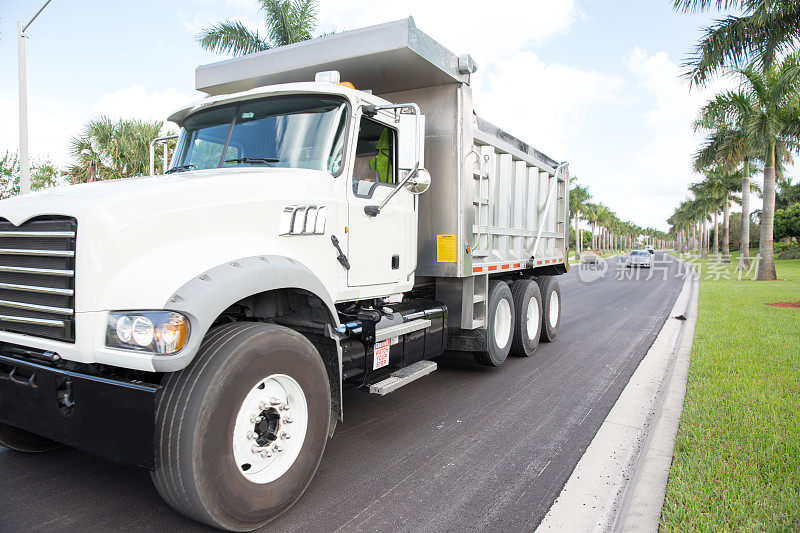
(354, 96)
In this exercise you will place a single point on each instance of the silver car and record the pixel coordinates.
(590, 257)
(638, 258)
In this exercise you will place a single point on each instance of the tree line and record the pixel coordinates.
(754, 128)
(608, 232)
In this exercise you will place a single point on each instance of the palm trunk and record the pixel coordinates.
(726, 233)
(716, 236)
(766, 263)
(744, 242)
(577, 238)
(704, 234)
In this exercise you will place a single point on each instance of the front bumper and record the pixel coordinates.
(113, 418)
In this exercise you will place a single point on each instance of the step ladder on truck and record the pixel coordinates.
(335, 214)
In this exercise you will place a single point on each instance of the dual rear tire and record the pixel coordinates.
(519, 316)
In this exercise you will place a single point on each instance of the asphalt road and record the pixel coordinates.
(465, 448)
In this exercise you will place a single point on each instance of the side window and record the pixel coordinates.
(375, 162)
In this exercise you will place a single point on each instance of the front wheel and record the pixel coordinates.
(241, 430)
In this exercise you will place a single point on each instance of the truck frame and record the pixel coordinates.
(308, 236)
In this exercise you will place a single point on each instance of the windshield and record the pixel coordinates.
(637, 252)
(279, 131)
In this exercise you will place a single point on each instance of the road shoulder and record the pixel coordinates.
(620, 481)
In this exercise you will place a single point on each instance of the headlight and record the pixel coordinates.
(159, 332)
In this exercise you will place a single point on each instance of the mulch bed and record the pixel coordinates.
(794, 305)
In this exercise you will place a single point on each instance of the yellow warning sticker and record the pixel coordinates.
(445, 248)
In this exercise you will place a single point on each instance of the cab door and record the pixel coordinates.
(378, 245)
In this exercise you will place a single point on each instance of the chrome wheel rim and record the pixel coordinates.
(554, 304)
(502, 323)
(270, 428)
(532, 318)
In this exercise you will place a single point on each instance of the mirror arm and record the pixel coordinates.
(374, 210)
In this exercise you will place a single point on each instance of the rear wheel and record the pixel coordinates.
(528, 308)
(500, 325)
(24, 441)
(551, 307)
(241, 430)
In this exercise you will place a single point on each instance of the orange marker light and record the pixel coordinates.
(348, 84)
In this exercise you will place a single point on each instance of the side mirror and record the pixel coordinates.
(419, 182)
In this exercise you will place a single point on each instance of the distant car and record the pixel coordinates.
(650, 249)
(590, 257)
(638, 258)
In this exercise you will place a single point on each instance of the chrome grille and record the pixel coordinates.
(37, 277)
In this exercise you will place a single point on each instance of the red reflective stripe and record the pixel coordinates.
(546, 261)
(504, 267)
(493, 267)
(477, 269)
(517, 265)
(539, 263)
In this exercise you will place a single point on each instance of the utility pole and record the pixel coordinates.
(24, 162)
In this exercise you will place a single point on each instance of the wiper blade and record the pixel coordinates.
(180, 168)
(253, 160)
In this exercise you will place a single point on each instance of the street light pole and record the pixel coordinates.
(24, 162)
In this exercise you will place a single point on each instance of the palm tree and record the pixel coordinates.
(108, 150)
(287, 21)
(774, 125)
(590, 215)
(727, 116)
(579, 196)
(765, 30)
(604, 218)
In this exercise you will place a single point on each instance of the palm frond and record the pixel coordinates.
(231, 37)
(696, 6)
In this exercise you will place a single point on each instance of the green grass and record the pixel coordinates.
(736, 464)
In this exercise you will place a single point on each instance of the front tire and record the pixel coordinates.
(551, 307)
(500, 325)
(24, 441)
(220, 463)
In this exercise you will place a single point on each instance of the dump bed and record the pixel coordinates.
(494, 204)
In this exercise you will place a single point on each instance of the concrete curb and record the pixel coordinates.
(620, 481)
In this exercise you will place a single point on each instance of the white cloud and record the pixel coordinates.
(137, 102)
(656, 167)
(52, 123)
(541, 103)
(464, 26)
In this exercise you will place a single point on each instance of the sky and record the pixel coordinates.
(592, 82)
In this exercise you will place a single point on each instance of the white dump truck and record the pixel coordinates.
(334, 215)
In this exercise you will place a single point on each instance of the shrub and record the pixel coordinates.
(791, 253)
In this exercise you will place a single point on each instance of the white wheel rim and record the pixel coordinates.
(275, 407)
(532, 318)
(553, 315)
(502, 323)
